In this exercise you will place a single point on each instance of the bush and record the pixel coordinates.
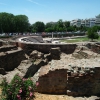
(92, 34)
(18, 89)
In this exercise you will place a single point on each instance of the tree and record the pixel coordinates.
(50, 27)
(30, 28)
(92, 34)
(60, 26)
(6, 22)
(39, 26)
(21, 23)
(10, 23)
(66, 24)
(70, 29)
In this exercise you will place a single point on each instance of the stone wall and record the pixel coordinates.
(53, 82)
(45, 47)
(1, 43)
(7, 48)
(10, 60)
(95, 47)
(85, 82)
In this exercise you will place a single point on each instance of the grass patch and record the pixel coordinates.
(81, 39)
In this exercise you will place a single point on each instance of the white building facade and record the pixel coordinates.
(86, 22)
(97, 21)
(92, 22)
(76, 22)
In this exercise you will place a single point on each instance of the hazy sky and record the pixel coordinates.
(52, 10)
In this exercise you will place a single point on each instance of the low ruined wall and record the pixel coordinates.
(1, 43)
(84, 82)
(95, 47)
(53, 82)
(7, 48)
(45, 48)
(10, 60)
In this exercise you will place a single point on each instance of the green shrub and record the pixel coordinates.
(92, 34)
(18, 89)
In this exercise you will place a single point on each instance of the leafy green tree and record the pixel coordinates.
(49, 30)
(10, 23)
(39, 26)
(50, 27)
(21, 23)
(70, 29)
(92, 34)
(6, 22)
(66, 24)
(30, 28)
(60, 26)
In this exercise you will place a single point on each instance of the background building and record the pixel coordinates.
(97, 21)
(76, 22)
(86, 22)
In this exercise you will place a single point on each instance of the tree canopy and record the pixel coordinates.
(38, 27)
(6, 22)
(92, 34)
(20, 23)
(11, 23)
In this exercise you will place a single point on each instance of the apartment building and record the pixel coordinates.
(76, 22)
(97, 21)
(80, 22)
(90, 22)
(83, 22)
(87, 22)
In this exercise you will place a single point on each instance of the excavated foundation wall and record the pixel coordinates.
(95, 47)
(1, 43)
(7, 48)
(10, 59)
(88, 83)
(45, 47)
(63, 81)
(53, 82)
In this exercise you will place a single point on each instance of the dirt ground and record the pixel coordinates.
(53, 97)
(39, 96)
(0, 91)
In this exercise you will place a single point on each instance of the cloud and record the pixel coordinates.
(36, 3)
(2, 3)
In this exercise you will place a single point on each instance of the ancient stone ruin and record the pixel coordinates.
(10, 58)
(71, 69)
(76, 74)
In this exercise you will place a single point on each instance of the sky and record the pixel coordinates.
(52, 10)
